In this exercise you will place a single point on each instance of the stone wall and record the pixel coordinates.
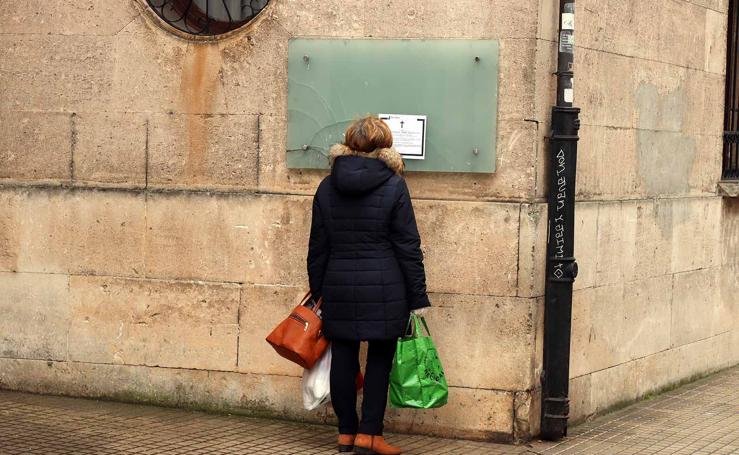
(657, 299)
(151, 234)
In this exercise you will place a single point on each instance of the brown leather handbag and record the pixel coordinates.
(299, 337)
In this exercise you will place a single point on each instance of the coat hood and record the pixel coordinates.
(358, 172)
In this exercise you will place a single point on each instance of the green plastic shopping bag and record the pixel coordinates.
(417, 378)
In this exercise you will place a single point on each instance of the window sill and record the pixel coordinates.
(728, 188)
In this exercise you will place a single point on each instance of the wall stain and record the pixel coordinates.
(199, 87)
(665, 153)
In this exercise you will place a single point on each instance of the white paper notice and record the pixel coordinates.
(409, 134)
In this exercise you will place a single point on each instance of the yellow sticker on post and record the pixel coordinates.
(409, 134)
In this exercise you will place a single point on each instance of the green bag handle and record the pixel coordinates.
(416, 326)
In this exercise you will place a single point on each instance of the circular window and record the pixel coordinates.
(207, 17)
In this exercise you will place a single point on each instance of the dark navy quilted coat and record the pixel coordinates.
(364, 254)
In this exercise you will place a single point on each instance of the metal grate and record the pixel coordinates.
(207, 17)
(731, 107)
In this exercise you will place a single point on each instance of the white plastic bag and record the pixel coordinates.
(316, 382)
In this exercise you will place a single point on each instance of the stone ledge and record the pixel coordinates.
(728, 188)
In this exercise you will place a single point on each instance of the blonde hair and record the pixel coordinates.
(367, 134)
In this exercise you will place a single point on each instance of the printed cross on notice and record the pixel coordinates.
(401, 123)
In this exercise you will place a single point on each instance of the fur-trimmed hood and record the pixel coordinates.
(389, 156)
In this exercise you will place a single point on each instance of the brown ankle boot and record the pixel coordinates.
(346, 442)
(368, 444)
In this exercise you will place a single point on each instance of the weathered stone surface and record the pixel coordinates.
(682, 34)
(110, 148)
(203, 151)
(262, 395)
(456, 253)
(239, 237)
(253, 70)
(695, 233)
(715, 42)
(586, 243)
(596, 329)
(77, 232)
(55, 72)
(653, 239)
(156, 72)
(613, 324)
(516, 81)
(35, 145)
(262, 308)
(616, 242)
(498, 340)
(319, 17)
(477, 413)
(440, 19)
(67, 17)
(532, 247)
(607, 93)
(608, 167)
(10, 230)
(35, 309)
(697, 311)
(152, 322)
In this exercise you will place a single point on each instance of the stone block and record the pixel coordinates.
(605, 150)
(608, 91)
(613, 386)
(227, 237)
(203, 151)
(35, 145)
(156, 72)
(697, 309)
(532, 250)
(496, 349)
(715, 42)
(80, 232)
(262, 308)
(653, 239)
(579, 395)
(55, 72)
(456, 253)
(156, 323)
(682, 34)
(475, 413)
(10, 230)
(696, 233)
(320, 18)
(616, 242)
(253, 70)
(729, 239)
(597, 329)
(110, 148)
(586, 243)
(706, 166)
(645, 327)
(35, 309)
(519, 70)
(463, 19)
(67, 17)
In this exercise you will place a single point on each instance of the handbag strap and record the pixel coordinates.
(307, 297)
(416, 326)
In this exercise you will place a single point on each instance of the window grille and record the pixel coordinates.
(731, 107)
(207, 17)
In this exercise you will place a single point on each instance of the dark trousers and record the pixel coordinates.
(344, 368)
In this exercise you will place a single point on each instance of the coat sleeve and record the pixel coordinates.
(407, 245)
(318, 251)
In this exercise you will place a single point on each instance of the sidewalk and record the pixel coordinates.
(699, 418)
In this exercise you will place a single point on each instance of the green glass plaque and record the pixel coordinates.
(453, 83)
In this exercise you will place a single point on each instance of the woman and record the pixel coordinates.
(365, 260)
